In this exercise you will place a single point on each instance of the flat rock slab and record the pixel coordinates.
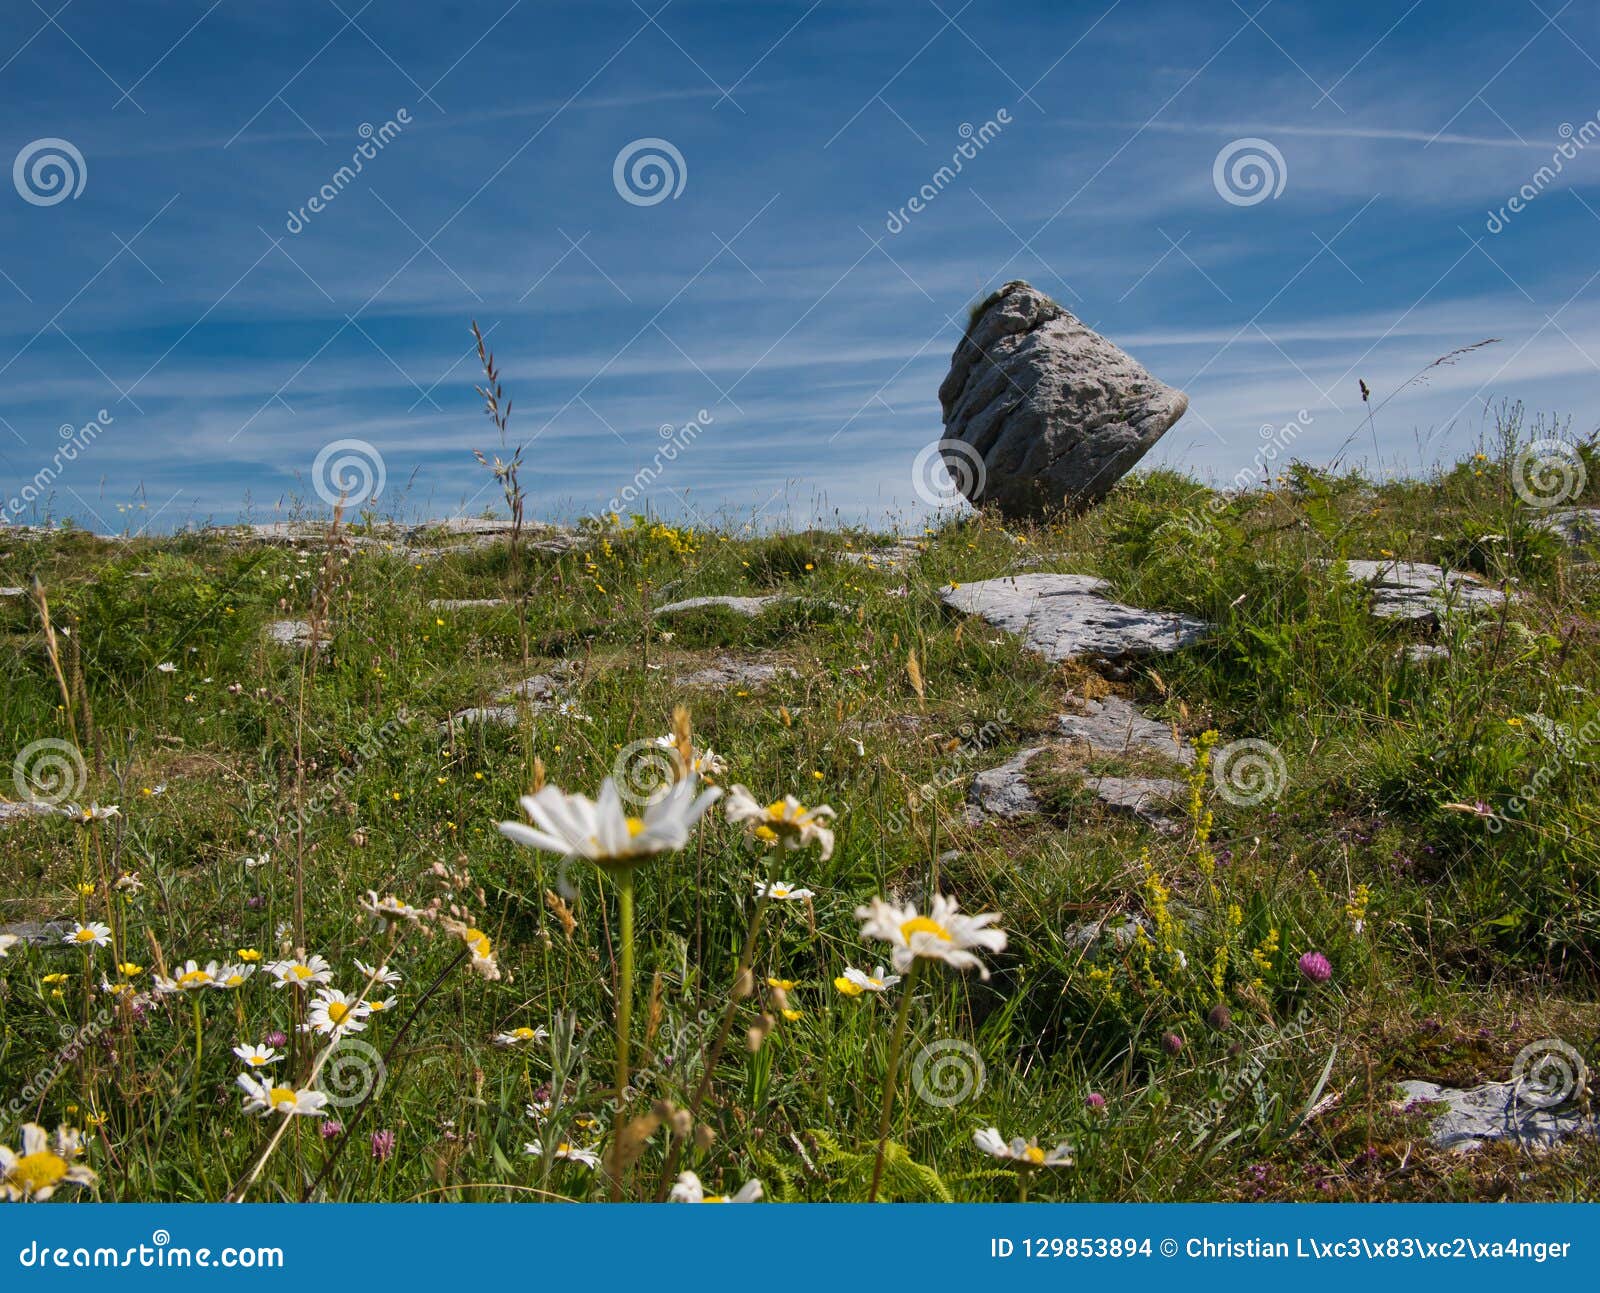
(1141, 797)
(1579, 527)
(898, 555)
(1415, 590)
(749, 607)
(1496, 1111)
(1003, 792)
(1119, 930)
(1064, 617)
(1425, 652)
(1113, 725)
(536, 695)
(40, 933)
(735, 673)
(465, 603)
(293, 633)
(12, 811)
(12, 592)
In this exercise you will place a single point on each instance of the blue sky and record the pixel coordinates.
(773, 291)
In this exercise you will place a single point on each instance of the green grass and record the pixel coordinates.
(1481, 935)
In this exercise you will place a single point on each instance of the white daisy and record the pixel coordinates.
(390, 909)
(93, 813)
(944, 934)
(478, 944)
(166, 666)
(520, 1036)
(1025, 1152)
(854, 982)
(7, 942)
(565, 1152)
(380, 1005)
(232, 976)
(782, 891)
(94, 934)
(300, 973)
(257, 1056)
(702, 763)
(130, 884)
(333, 1014)
(786, 821)
(190, 977)
(603, 831)
(33, 1172)
(689, 1190)
(263, 1097)
(380, 975)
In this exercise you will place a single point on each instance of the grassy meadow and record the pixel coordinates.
(1434, 840)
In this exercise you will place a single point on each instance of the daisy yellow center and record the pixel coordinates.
(766, 834)
(85, 936)
(1033, 1154)
(777, 811)
(523, 1034)
(35, 1172)
(233, 980)
(193, 979)
(478, 941)
(635, 825)
(300, 971)
(337, 1012)
(258, 1061)
(715, 1198)
(280, 1096)
(847, 987)
(924, 925)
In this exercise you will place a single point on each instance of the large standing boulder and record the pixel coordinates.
(1055, 413)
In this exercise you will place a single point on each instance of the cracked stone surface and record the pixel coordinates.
(464, 603)
(1415, 590)
(749, 607)
(891, 556)
(1579, 527)
(40, 933)
(1141, 797)
(1064, 617)
(12, 592)
(13, 811)
(1425, 652)
(536, 694)
(1494, 1111)
(729, 672)
(1003, 792)
(1113, 725)
(293, 633)
(1045, 411)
